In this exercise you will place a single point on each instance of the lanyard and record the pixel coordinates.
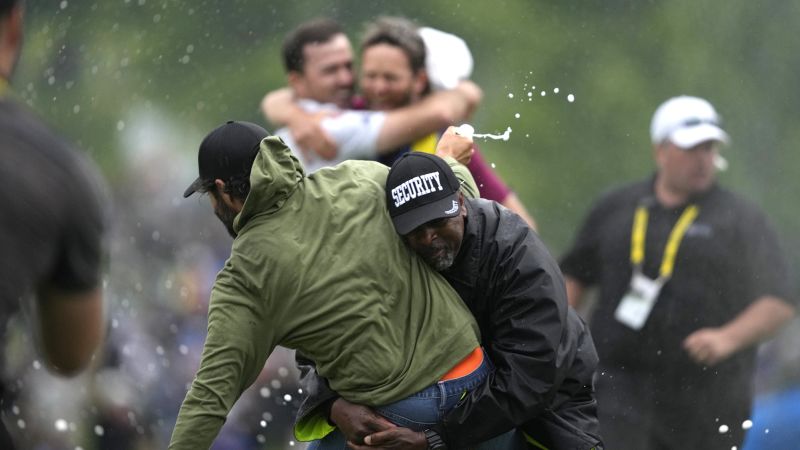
(675, 237)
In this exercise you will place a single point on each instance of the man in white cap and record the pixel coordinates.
(691, 278)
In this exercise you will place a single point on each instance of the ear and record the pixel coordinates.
(296, 81)
(230, 201)
(659, 153)
(463, 211)
(420, 83)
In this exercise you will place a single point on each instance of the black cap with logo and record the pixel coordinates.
(227, 151)
(420, 187)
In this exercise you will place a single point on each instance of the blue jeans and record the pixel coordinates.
(421, 410)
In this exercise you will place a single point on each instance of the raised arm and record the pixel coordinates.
(434, 112)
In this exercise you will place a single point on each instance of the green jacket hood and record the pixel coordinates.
(275, 175)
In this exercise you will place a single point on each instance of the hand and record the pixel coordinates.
(456, 146)
(310, 137)
(397, 438)
(709, 346)
(357, 421)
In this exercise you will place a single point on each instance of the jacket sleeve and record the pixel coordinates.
(529, 344)
(312, 417)
(468, 186)
(238, 342)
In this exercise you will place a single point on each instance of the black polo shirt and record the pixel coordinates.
(728, 258)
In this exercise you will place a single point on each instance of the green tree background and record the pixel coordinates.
(201, 63)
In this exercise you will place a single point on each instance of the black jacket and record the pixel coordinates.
(543, 355)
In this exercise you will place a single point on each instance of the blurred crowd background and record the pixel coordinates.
(137, 83)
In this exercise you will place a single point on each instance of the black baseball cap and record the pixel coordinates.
(420, 187)
(227, 151)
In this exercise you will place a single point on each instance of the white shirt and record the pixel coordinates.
(354, 132)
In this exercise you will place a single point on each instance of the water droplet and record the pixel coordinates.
(276, 384)
(76, 109)
(61, 425)
(287, 398)
(493, 166)
(98, 430)
(63, 4)
(723, 429)
(263, 424)
(21, 424)
(283, 371)
(120, 125)
(184, 350)
(264, 392)
(516, 115)
(160, 350)
(555, 91)
(37, 365)
(747, 424)
(261, 439)
(570, 98)
(543, 93)
(510, 95)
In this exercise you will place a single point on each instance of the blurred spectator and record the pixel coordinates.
(51, 231)
(691, 280)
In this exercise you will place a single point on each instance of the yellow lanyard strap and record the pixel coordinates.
(640, 219)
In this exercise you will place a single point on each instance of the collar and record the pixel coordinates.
(696, 198)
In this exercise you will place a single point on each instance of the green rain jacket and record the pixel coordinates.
(317, 266)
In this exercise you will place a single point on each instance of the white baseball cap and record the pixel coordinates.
(447, 58)
(686, 121)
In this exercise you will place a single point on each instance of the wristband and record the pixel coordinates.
(435, 441)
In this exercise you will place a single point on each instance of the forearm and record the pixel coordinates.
(196, 426)
(434, 112)
(72, 327)
(280, 109)
(758, 322)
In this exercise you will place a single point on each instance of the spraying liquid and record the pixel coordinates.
(468, 131)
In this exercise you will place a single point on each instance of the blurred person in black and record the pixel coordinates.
(51, 227)
(691, 279)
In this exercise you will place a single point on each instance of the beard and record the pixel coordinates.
(226, 215)
(440, 256)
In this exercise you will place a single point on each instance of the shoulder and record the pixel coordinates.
(37, 160)
(735, 209)
(498, 223)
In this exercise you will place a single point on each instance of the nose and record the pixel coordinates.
(345, 77)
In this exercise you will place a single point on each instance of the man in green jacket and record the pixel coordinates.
(316, 266)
